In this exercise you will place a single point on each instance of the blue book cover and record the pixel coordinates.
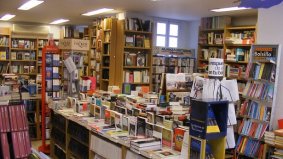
(48, 72)
(48, 59)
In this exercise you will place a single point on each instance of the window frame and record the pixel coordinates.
(167, 34)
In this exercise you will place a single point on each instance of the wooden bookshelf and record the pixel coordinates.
(124, 50)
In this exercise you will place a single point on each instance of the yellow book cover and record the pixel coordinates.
(243, 145)
(261, 112)
(261, 70)
(212, 129)
(3, 55)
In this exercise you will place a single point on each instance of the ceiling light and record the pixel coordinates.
(99, 11)
(30, 4)
(58, 21)
(7, 17)
(229, 9)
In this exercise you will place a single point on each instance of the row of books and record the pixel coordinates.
(237, 55)
(172, 69)
(58, 136)
(265, 71)
(107, 23)
(252, 128)
(211, 52)
(3, 68)
(135, 59)
(107, 37)
(136, 76)
(4, 41)
(254, 110)
(42, 43)
(78, 149)
(137, 24)
(217, 22)
(78, 132)
(274, 138)
(20, 55)
(59, 152)
(235, 71)
(94, 54)
(172, 61)
(249, 147)
(23, 44)
(259, 90)
(4, 55)
(16, 145)
(22, 69)
(211, 38)
(95, 65)
(137, 41)
(244, 37)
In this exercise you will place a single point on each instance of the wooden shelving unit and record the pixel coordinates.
(140, 48)
(107, 42)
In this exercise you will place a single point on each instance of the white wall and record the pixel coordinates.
(270, 32)
(53, 29)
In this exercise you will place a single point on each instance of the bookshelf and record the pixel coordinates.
(107, 43)
(169, 60)
(135, 54)
(256, 112)
(5, 45)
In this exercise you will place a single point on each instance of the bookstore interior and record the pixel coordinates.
(140, 80)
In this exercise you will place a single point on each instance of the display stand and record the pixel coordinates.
(199, 133)
(51, 49)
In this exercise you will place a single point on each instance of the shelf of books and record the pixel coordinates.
(135, 45)
(256, 112)
(107, 45)
(95, 51)
(168, 60)
(5, 45)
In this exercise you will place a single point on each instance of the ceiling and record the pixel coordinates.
(72, 9)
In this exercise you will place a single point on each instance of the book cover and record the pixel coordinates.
(132, 126)
(141, 124)
(150, 117)
(125, 123)
(49, 59)
(149, 129)
(130, 59)
(157, 131)
(129, 41)
(118, 120)
(167, 137)
(178, 138)
(141, 59)
(159, 119)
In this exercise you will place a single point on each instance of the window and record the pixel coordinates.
(167, 34)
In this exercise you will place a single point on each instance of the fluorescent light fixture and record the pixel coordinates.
(229, 9)
(99, 11)
(7, 17)
(58, 21)
(30, 4)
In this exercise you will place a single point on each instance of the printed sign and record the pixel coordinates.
(215, 67)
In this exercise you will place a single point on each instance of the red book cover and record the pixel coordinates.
(28, 144)
(241, 127)
(13, 115)
(15, 145)
(1, 120)
(131, 78)
(20, 142)
(253, 128)
(24, 144)
(7, 118)
(19, 118)
(5, 146)
(178, 138)
(11, 118)
(24, 118)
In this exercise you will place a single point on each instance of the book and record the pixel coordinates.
(141, 126)
(132, 126)
(141, 59)
(149, 129)
(167, 137)
(130, 59)
(178, 138)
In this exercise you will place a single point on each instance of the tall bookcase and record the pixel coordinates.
(108, 52)
(135, 54)
(257, 111)
(218, 39)
(5, 45)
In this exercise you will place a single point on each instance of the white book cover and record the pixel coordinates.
(137, 76)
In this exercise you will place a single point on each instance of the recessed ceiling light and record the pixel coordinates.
(99, 11)
(7, 17)
(229, 9)
(30, 4)
(58, 21)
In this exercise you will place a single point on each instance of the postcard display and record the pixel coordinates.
(217, 97)
(74, 52)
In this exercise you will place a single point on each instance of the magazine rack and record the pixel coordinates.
(200, 138)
